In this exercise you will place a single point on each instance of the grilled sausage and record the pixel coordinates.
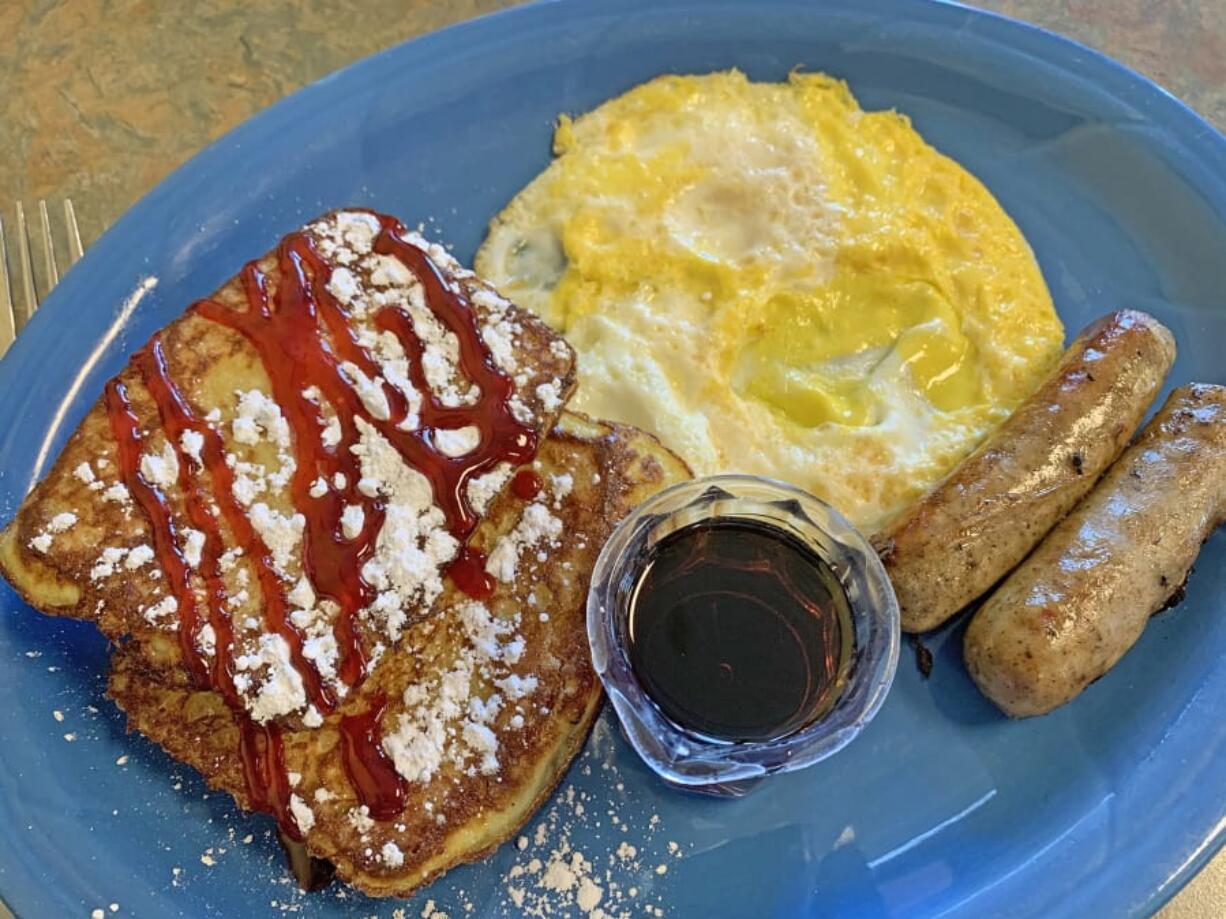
(1076, 605)
(975, 526)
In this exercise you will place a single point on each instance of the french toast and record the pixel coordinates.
(480, 708)
(341, 540)
(265, 497)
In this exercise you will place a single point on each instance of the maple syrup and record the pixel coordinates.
(739, 631)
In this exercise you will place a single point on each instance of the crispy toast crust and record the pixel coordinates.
(212, 366)
(458, 813)
(355, 384)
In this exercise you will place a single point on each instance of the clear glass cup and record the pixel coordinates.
(720, 767)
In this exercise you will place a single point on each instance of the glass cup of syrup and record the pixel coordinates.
(741, 628)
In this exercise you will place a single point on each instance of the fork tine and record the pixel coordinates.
(74, 235)
(53, 271)
(27, 269)
(8, 320)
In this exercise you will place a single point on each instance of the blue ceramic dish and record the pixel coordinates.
(941, 807)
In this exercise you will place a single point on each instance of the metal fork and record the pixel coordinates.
(13, 319)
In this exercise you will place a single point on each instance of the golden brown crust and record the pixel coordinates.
(1082, 599)
(80, 546)
(612, 469)
(59, 582)
(977, 524)
(209, 363)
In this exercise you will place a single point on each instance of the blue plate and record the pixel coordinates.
(942, 807)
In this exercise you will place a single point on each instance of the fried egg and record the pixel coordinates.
(776, 282)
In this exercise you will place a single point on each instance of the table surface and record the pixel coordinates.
(100, 99)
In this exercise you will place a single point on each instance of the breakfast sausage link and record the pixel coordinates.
(1082, 599)
(975, 526)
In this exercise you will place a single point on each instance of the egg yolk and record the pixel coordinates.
(909, 257)
(812, 355)
(775, 281)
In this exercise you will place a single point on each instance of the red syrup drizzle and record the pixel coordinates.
(263, 754)
(284, 326)
(526, 484)
(260, 747)
(296, 356)
(177, 419)
(285, 329)
(371, 772)
(468, 573)
(125, 428)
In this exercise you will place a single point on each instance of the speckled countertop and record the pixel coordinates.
(100, 99)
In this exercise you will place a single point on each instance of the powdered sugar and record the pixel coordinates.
(143, 555)
(112, 558)
(552, 874)
(156, 614)
(109, 558)
(302, 594)
(515, 687)
(281, 690)
(161, 469)
(392, 856)
(519, 411)
(357, 230)
(387, 271)
(550, 395)
(281, 533)
(561, 486)
(206, 640)
(423, 734)
(61, 522)
(323, 651)
(352, 519)
(343, 285)
(331, 434)
(192, 442)
(193, 545)
(497, 336)
(360, 819)
(370, 391)
(441, 352)
(413, 544)
(483, 488)
(537, 525)
(258, 418)
(457, 441)
(446, 720)
(303, 815)
(118, 493)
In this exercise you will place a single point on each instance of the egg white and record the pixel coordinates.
(675, 217)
